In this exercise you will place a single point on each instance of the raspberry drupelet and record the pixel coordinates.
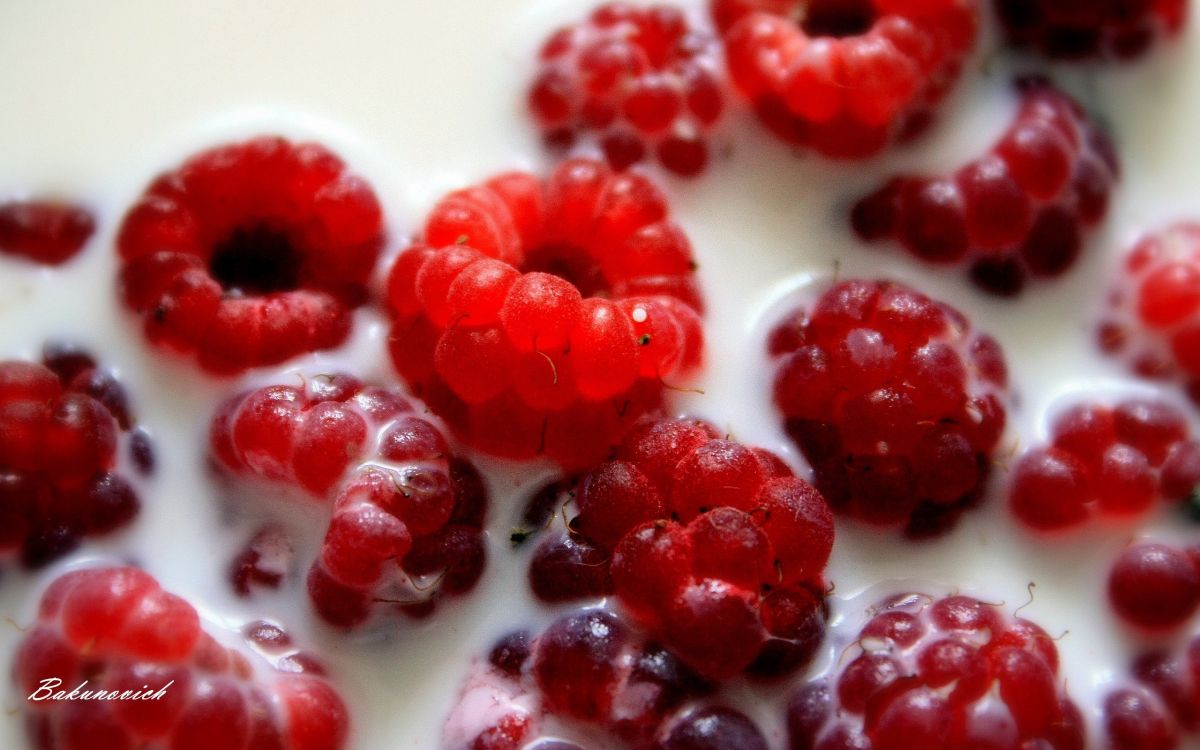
(953, 673)
(1020, 211)
(544, 317)
(846, 77)
(118, 630)
(1155, 586)
(895, 402)
(1156, 709)
(1110, 29)
(250, 253)
(45, 231)
(406, 514)
(641, 79)
(1112, 461)
(63, 423)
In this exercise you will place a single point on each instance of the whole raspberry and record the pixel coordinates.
(1019, 211)
(895, 403)
(954, 673)
(542, 318)
(49, 232)
(62, 424)
(641, 78)
(250, 253)
(1113, 461)
(1159, 706)
(116, 630)
(1112, 29)
(407, 515)
(1155, 586)
(845, 77)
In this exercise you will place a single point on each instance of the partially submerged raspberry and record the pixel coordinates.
(895, 402)
(1021, 210)
(49, 232)
(1158, 707)
(1155, 586)
(1113, 29)
(250, 253)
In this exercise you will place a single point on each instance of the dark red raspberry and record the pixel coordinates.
(894, 401)
(250, 253)
(1160, 706)
(116, 629)
(954, 673)
(1155, 586)
(48, 232)
(641, 78)
(542, 318)
(1019, 211)
(846, 77)
(1113, 29)
(62, 425)
(1113, 461)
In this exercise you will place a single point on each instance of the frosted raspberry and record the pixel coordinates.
(117, 630)
(1113, 29)
(845, 77)
(1155, 586)
(1021, 210)
(63, 423)
(895, 402)
(48, 232)
(952, 673)
(1113, 461)
(1157, 708)
(542, 318)
(641, 78)
(250, 253)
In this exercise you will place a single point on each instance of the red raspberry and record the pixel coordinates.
(894, 401)
(641, 78)
(116, 629)
(1020, 210)
(48, 232)
(1155, 586)
(1161, 704)
(1114, 29)
(1109, 460)
(954, 673)
(846, 77)
(250, 253)
(543, 318)
(61, 426)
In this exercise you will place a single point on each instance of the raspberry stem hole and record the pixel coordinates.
(837, 18)
(256, 260)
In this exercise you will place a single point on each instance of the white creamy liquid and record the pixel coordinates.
(425, 97)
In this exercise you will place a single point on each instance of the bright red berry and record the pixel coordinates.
(1155, 586)
(1113, 29)
(48, 232)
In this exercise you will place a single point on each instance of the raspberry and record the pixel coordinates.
(116, 629)
(894, 401)
(954, 673)
(47, 232)
(1113, 461)
(250, 253)
(641, 78)
(1112, 29)
(1158, 705)
(845, 77)
(62, 423)
(1155, 586)
(542, 318)
(1019, 211)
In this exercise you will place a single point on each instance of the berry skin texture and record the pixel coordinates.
(849, 77)
(1109, 29)
(895, 402)
(952, 673)
(118, 630)
(250, 253)
(642, 80)
(1107, 461)
(1018, 212)
(1155, 586)
(544, 317)
(47, 232)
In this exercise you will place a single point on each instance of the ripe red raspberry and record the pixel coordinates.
(1113, 29)
(62, 425)
(1155, 586)
(846, 77)
(1114, 461)
(641, 78)
(1160, 706)
(116, 629)
(250, 253)
(407, 515)
(894, 401)
(1019, 211)
(954, 673)
(541, 318)
(48, 232)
